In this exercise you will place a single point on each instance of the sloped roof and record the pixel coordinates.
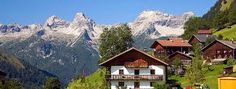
(180, 54)
(204, 31)
(230, 44)
(101, 64)
(203, 37)
(172, 42)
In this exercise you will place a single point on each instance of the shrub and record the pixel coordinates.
(161, 85)
(231, 61)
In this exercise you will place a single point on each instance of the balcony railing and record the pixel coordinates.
(134, 77)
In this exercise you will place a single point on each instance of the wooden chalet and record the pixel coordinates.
(135, 69)
(184, 58)
(201, 39)
(204, 32)
(219, 50)
(164, 48)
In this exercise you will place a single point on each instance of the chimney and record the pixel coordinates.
(232, 41)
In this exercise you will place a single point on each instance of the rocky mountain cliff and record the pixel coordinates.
(67, 48)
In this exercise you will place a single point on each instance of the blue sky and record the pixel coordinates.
(101, 11)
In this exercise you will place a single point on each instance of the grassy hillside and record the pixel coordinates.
(220, 16)
(228, 33)
(226, 4)
(94, 81)
(211, 77)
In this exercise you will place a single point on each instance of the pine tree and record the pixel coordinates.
(114, 41)
(52, 83)
(11, 84)
(195, 73)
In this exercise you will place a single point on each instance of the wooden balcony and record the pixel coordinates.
(134, 77)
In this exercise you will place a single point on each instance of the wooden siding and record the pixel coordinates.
(194, 40)
(184, 59)
(132, 56)
(170, 50)
(137, 64)
(217, 50)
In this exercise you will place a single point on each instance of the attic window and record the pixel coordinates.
(121, 72)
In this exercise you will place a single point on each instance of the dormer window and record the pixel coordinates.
(121, 72)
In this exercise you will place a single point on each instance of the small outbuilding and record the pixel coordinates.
(226, 83)
(184, 58)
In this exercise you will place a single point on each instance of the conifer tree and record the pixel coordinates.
(195, 72)
(52, 83)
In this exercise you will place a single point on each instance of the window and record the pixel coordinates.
(136, 72)
(152, 71)
(225, 51)
(136, 84)
(121, 84)
(121, 72)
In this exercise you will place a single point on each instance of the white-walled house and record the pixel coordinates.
(135, 69)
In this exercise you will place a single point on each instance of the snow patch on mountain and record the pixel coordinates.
(157, 24)
(153, 24)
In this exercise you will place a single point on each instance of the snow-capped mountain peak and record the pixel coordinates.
(187, 15)
(81, 19)
(55, 22)
(156, 24)
(149, 15)
(80, 24)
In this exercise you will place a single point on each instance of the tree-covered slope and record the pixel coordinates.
(55, 56)
(29, 76)
(221, 15)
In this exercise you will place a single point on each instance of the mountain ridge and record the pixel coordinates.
(59, 45)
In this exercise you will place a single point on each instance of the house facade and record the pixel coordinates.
(219, 50)
(164, 48)
(135, 69)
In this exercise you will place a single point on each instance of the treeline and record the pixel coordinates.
(216, 18)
